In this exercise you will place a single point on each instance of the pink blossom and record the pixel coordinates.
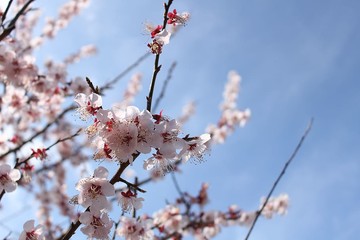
(31, 232)
(88, 105)
(129, 201)
(94, 190)
(97, 224)
(194, 147)
(8, 178)
(132, 229)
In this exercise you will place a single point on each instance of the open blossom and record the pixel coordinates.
(171, 219)
(8, 178)
(97, 224)
(94, 190)
(31, 232)
(129, 201)
(88, 105)
(195, 147)
(133, 229)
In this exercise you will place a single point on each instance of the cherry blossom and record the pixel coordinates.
(94, 190)
(132, 229)
(31, 232)
(88, 105)
(195, 147)
(129, 201)
(97, 224)
(8, 178)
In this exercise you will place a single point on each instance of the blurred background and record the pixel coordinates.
(297, 59)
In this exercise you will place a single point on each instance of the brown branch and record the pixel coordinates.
(133, 185)
(116, 178)
(49, 147)
(157, 67)
(258, 213)
(6, 11)
(17, 164)
(11, 25)
(162, 93)
(43, 130)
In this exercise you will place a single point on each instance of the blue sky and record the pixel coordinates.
(298, 59)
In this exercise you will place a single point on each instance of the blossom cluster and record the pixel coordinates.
(185, 217)
(160, 35)
(121, 134)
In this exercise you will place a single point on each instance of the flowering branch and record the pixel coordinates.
(11, 25)
(18, 163)
(258, 213)
(39, 133)
(157, 67)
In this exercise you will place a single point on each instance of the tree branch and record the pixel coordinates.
(258, 213)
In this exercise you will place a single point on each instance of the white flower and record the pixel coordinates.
(131, 229)
(31, 232)
(194, 147)
(8, 178)
(97, 224)
(94, 190)
(129, 201)
(88, 105)
(163, 37)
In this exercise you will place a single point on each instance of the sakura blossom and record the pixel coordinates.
(32, 232)
(195, 147)
(96, 224)
(132, 229)
(88, 105)
(8, 178)
(129, 201)
(94, 190)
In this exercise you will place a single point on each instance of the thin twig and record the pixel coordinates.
(45, 128)
(258, 213)
(157, 67)
(17, 164)
(163, 90)
(124, 72)
(133, 185)
(11, 25)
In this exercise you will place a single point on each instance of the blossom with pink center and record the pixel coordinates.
(133, 229)
(8, 178)
(171, 219)
(177, 19)
(88, 105)
(94, 190)
(129, 201)
(31, 232)
(15, 98)
(97, 224)
(122, 141)
(195, 147)
(170, 141)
